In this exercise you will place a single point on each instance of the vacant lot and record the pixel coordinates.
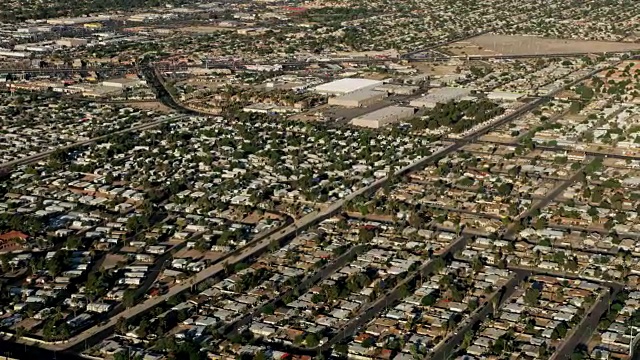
(491, 44)
(150, 105)
(112, 260)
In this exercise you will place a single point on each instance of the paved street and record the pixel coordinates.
(258, 246)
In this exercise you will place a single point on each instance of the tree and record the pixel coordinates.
(608, 225)
(341, 349)
(20, 331)
(269, 309)
(531, 296)
(473, 304)
(416, 220)
(429, 300)
(365, 235)
(368, 342)
(273, 246)
(129, 298)
(540, 223)
(122, 325)
(311, 340)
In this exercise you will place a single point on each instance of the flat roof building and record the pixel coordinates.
(71, 42)
(356, 99)
(345, 86)
(398, 89)
(383, 117)
(441, 95)
(78, 20)
(504, 96)
(123, 83)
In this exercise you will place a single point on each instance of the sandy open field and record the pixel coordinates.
(434, 69)
(150, 105)
(491, 44)
(112, 260)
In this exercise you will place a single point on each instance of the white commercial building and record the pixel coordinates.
(504, 96)
(98, 307)
(383, 117)
(356, 99)
(398, 89)
(123, 83)
(345, 86)
(438, 96)
(78, 20)
(71, 42)
(16, 54)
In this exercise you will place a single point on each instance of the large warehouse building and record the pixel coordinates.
(442, 95)
(359, 98)
(504, 96)
(383, 117)
(346, 86)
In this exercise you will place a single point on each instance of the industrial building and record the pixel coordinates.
(398, 89)
(13, 54)
(356, 99)
(345, 86)
(78, 20)
(71, 42)
(383, 117)
(123, 83)
(442, 95)
(446, 80)
(504, 96)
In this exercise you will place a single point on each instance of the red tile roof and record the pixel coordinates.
(13, 235)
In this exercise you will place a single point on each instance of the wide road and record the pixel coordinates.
(448, 346)
(258, 246)
(582, 332)
(373, 309)
(510, 232)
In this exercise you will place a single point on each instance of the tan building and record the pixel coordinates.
(383, 117)
(356, 99)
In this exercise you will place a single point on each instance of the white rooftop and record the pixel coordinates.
(345, 86)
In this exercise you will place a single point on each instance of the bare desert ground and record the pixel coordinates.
(492, 44)
(150, 105)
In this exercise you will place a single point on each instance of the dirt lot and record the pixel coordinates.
(196, 255)
(150, 105)
(255, 217)
(435, 70)
(491, 44)
(112, 260)
(28, 324)
(498, 139)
